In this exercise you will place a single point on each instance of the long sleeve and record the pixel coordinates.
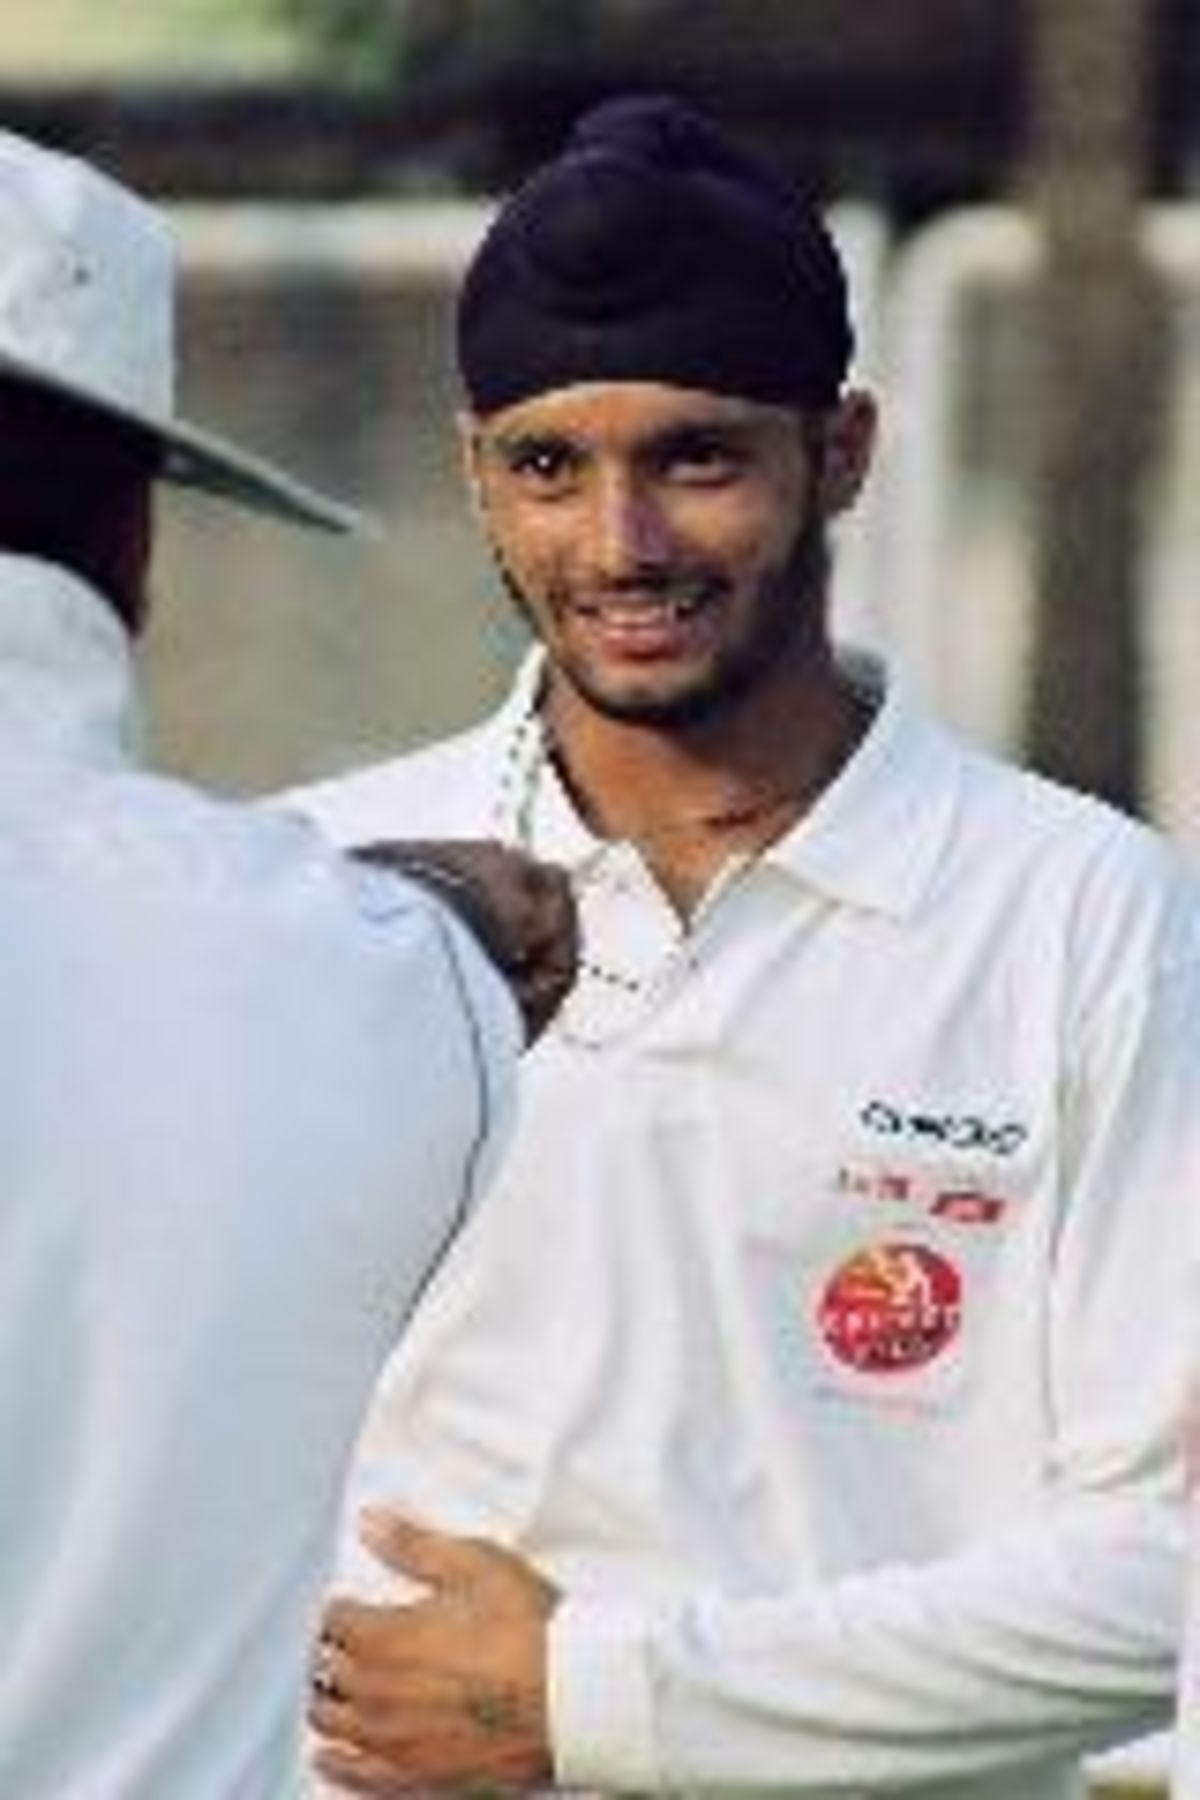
(1056, 1633)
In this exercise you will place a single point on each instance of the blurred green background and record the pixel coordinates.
(56, 40)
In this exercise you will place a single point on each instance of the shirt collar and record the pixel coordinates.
(874, 838)
(66, 670)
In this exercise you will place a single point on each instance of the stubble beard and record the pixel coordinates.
(789, 621)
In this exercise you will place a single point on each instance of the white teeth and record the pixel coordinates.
(647, 612)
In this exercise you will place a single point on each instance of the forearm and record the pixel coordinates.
(1056, 1639)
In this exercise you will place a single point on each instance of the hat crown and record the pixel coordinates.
(87, 312)
(659, 130)
(605, 244)
(86, 274)
(653, 248)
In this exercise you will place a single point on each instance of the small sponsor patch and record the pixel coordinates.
(926, 1193)
(870, 1183)
(968, 1206)
(891, 1308)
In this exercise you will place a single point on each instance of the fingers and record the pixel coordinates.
(331, 1705)
(437, 1559)
(328, 1670)
(393, 1540)
(548, 963)
(527, 904)
(447, 1690)
(356, 1771)
(521, 910)
(443, 1565)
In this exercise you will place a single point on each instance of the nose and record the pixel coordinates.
(630, 535)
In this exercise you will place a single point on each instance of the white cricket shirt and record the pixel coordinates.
(245, 1094)
(823, 1335)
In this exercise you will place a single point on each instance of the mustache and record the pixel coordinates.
(674, 583)
(675, 587)
(685, 589)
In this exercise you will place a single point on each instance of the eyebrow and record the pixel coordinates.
(732, 432)
(520, 437)
(676, 435)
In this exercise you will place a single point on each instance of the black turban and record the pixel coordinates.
(652, 249)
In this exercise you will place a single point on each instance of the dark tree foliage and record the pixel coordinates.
(363, 40)
(377, 42)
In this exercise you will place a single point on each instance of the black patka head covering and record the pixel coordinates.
(652, 249)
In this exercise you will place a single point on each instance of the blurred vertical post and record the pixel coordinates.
(1090, 67)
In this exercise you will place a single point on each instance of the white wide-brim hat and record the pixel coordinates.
(87, 311)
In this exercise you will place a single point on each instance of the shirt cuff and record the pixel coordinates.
(599, 1697)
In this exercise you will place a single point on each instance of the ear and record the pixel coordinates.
(471, 460)
(848, 436)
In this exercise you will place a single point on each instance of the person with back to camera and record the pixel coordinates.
(802, 1412)
(250, 1091)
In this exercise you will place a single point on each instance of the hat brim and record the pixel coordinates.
(199, 459)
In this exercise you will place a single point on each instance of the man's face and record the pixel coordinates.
(667, 545)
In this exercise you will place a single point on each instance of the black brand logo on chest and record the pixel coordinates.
(947, 1130)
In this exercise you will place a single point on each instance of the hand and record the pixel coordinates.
(445, 1691)
(521, 910)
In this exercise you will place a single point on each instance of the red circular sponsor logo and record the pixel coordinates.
(891, 1308)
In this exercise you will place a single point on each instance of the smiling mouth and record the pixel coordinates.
(648, 610)
(659, 630)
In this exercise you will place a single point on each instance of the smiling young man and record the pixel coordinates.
(777, 1427)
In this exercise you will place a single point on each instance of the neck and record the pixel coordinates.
(784, 743)
(690, 797)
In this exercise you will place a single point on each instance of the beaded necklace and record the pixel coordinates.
(612, 997)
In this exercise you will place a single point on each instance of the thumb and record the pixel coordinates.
(435, 1558)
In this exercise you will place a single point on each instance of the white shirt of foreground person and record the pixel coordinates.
(1186, 1767)
(821, 1337)
(248, 1092)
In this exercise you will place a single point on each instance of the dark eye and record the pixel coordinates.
(703, 458)
(540, 463)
